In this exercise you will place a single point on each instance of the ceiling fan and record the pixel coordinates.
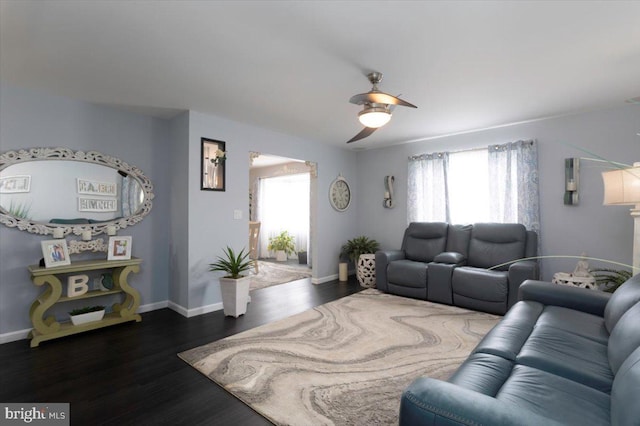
(377, 107)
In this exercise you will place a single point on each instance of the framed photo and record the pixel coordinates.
(55, 253)
(119, 248)
(15, 184)
(212, 159)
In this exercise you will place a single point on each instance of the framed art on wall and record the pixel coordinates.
(55, 253)
(119, 248)
(91, 187)
(212, 159)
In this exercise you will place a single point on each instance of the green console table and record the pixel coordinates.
(48, 328)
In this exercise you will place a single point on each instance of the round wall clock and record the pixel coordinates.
(340, 194)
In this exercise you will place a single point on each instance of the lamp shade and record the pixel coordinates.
(374, 117)
(622, 186)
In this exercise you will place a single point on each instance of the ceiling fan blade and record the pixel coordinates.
(376, 97)
(367, 131)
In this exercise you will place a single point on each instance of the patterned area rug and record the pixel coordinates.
(271, 273)
(342, 363)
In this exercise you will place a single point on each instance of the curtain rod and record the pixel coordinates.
(416, 156)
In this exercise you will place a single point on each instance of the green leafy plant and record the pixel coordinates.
(86, 310)
(21, 211)
(231, 263)
(610, 279)
(284, 242)
(357, 246)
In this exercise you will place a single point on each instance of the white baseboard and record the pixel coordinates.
(14, 335)
(188, 313)
(328, 278)
(153, 306)
(24, 334)
(196, 311)
(321, 280)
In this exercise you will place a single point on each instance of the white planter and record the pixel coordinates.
(88, 317)
(235, 295)
(366, 270)
(281, 255)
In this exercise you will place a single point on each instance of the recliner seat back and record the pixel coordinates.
(495, 244)
(627, 295)
(424, 240)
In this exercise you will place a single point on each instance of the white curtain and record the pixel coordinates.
(130, 197)
(497, 184)
(513, 169)
(283, 205)
(427, 195)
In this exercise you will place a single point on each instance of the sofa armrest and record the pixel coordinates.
(518, 273)
(439, 273)
(434, 402)
(581, 299)
(450, 257)
(383, 258)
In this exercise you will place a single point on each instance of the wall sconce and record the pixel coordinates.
(388, 192)
(571, 181)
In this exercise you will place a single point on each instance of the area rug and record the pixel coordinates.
(273, 274)
(342, 363)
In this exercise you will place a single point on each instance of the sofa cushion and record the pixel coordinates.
(576, 322)
(568, 355)
(407, 273)
(425, 240)
(458, 237)
(627, 295)
(625, 337)
(482, 373)
(509, 335)
(555, 397)
(496, 243)
(625, 410)
(476, 283)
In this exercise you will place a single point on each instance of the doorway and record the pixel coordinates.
(281, 199)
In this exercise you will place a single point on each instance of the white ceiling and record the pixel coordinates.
(292, 66)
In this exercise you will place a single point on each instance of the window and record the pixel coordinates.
(494, 184)
(283, 205)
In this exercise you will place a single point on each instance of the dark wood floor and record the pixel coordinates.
(130, 373)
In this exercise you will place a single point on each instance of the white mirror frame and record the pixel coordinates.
(39, 154)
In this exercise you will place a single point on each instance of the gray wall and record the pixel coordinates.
(178, 171)
(35, 119)
(187, 227)
(211, 224)
(600, 231)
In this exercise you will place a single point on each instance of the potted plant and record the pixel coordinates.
(234, 286)
(361, 250)
(283, 245)
(610, 279)
(302, 256)
(87, 314)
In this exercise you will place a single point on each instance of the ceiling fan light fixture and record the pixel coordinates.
(374, 117)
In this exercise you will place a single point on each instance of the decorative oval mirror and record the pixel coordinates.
(43, 189)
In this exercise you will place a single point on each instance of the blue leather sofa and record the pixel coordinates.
(560, 356)
(471, 266)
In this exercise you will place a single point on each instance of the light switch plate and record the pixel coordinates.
(237, 214)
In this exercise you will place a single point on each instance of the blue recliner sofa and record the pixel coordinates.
(561, 356)
(476, 266)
